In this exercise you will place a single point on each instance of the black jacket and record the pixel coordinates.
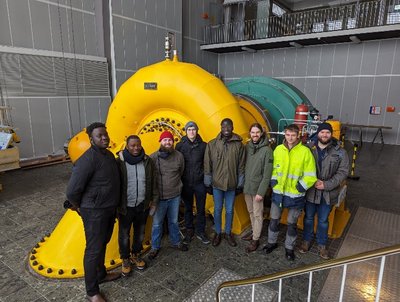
(95, 180)
(151, 190)
(193, 152)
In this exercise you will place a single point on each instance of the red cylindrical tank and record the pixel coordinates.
(301, 116)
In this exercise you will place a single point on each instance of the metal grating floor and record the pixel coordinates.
(370, 230)
(207, 290)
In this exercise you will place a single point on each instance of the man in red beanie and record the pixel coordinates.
(170, 165)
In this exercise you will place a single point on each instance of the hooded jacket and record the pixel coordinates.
(258, 168)
(151, 188)
(193, 152)
(333, 171)
(224, 162)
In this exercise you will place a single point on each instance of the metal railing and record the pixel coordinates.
(345, 17)
(310, 269)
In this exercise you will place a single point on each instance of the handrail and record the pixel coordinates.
(312, 267)
(336, 18)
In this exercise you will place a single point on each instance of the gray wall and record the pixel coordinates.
(52, 70)
(139, 29)
(193, 25)
(342, 79)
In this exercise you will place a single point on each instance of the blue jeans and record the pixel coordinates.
(322, 210)
(169, 207)
(219, 197)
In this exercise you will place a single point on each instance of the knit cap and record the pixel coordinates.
(325, 126)
(166, 134)
(191, 124)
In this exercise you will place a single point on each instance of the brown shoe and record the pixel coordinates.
(252, 246)
(138, 262)
(96, 298)
(248, 237)
(110, 277)
(231, 239)
(126, 267)
(323, 252)
(153, 254)
(216, 240)
(305, 247)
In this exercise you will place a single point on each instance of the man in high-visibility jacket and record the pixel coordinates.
(293, 173)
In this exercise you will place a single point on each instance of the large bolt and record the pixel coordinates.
(60, 272)
(112, 262)
(33, 257)
(33, 251)
(49, 270)
(40, 267)
(34, 263)
(73, 272)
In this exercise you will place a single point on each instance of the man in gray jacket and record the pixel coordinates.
(332, 169)
(258, 171)
(170, 165)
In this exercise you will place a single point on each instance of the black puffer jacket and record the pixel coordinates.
(193, 152)
(95, 180)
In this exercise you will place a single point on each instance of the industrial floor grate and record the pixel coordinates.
(370, 230)
(207, 291)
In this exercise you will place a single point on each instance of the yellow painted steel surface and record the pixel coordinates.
(336, 126)
(162, 96)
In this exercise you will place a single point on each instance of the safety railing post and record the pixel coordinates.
(380, 278)
(353, 164)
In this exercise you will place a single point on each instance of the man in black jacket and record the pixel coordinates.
(139, 193)
(192, 147)
(94, 191)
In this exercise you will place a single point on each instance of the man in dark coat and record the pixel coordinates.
(192, 147)
(94, 192)
(139, 193)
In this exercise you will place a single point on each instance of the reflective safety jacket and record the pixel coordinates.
(294, 172)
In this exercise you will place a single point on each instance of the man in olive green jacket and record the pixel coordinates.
(257, 177)
(224, 162)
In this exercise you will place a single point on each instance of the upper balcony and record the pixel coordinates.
(368, 20)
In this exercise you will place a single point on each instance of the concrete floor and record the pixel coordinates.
(31, 206)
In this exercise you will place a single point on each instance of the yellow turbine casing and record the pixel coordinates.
(162, 96)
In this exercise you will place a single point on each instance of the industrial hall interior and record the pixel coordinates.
(199, 150)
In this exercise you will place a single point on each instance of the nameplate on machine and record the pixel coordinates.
(150, 86)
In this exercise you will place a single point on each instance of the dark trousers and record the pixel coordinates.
(198, 191)
(98, 225)
(136, 217)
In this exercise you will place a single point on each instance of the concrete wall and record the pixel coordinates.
(52, 70)
(342, 79)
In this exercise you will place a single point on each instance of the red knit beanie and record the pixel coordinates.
(166, 134)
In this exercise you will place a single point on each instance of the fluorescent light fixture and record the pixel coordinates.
(355, 39)
(248, 49)
(295, 44)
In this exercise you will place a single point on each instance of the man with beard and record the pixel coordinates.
(224, 162)
(332, 170)
(293, 173)
(170, 165)
(192, 147)
(139, 193)
(256, 181)
(94, 192)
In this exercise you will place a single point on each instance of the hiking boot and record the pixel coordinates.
(153, 254)
(216, 240)
(231, 239)
(126, 267)
(269, 247)
(323, 252)
(188, 236)
(248, 237)
(290, 255)
(203, 237)
(138, 262)
(305, 247)
(182, 247)
(252, 246)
